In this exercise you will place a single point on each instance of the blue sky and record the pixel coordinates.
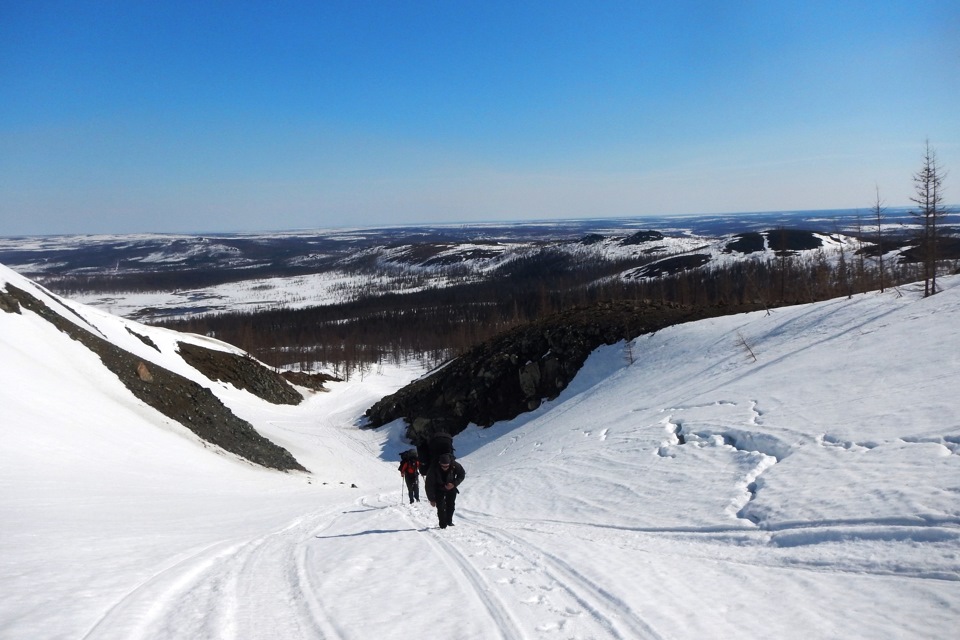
(128, 115)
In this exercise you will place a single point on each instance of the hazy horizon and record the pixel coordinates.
(836, 216)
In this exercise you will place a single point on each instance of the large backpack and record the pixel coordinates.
(409, 456)
(439, 443)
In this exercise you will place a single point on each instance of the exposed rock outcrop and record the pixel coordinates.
(642, 236)
(314, 381)
(518, 370)
(178, 398)
(8, 303)
(243, 372)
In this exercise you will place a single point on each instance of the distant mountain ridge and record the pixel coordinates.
(188, 272)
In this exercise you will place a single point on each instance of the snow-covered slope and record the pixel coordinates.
(174, 374)
(694, 492)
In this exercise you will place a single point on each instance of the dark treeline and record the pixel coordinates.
(431, 324)
(435, 324)
(161, 280)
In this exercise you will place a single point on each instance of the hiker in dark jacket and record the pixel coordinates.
(409, 469)
(441, 484)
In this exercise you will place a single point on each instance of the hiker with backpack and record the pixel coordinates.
(441, 484)
(410, 469)
(440, 442)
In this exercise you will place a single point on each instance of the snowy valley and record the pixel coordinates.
(784, 474)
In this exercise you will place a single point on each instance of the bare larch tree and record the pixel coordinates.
(928, 189)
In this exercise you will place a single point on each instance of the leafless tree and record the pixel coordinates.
(742, 342)
(928, 187)
(878, 210)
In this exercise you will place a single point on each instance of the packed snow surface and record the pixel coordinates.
(792, 474)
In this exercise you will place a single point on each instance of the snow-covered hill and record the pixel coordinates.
(783, 475)
(154, 276)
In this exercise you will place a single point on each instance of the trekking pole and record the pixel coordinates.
(403, 483)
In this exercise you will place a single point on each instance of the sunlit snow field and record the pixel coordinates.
(695, 492)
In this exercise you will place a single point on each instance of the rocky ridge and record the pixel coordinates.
(515, 372)
(173, 395)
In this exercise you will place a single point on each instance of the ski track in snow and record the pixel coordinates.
(752, 541)
(552, 596)
(523, 589)
(204, 595)
(526, 591)
(603, 608)
(472, 579)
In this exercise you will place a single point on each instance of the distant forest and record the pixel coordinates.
(436, 324)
